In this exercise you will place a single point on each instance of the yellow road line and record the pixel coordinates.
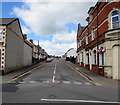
(25, 73)
(82, 75)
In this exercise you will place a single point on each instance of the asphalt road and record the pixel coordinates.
(55, 82)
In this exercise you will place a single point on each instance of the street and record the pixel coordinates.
(56, 82)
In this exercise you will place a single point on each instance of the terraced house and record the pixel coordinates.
(98, 44)
(15, 53)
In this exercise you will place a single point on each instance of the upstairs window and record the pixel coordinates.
(80, 42)
(115, 20)
(93, 33)
(90, 18)
(86, 39)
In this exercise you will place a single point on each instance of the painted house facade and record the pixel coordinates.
(15, 53)
(98, 44)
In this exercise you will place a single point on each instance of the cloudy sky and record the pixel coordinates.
(54, 24)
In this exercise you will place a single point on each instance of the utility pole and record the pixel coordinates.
(38, 50)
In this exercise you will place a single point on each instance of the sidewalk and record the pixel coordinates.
(96, 77)
(13, 74)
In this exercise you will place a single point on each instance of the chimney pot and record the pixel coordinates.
(24, 36)
(31, 40)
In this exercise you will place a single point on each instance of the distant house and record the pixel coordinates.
(98, 44)
(71, 55)
(15, 53)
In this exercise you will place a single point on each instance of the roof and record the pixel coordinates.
(7, 21)
(91, 9)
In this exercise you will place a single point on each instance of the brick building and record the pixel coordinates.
(98, 44)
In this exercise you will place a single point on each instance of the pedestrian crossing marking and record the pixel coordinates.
(86, 83)
(32, 81)
(67, 82)
(77, 82)
(48, 82)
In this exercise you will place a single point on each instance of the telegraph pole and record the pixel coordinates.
(38, 50)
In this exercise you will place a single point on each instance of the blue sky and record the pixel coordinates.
(54, 24)
(7, 12)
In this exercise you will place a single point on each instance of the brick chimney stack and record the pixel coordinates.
(25, 36)
(31, 40)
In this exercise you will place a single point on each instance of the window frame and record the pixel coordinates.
(1, 31)
(117, 15)
(93, 33)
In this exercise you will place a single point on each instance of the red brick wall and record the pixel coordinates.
(96, 69)
(82, 64)
(104, 11)
(87, 66)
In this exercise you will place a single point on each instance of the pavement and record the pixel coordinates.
(87, 73)
(108, 82)
(11, 75)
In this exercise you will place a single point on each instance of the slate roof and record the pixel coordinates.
(7, 21)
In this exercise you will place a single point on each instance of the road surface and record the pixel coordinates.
(56, 82)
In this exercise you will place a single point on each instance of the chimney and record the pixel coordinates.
(31, 40)
(24, 36)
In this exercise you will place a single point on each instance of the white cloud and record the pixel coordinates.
(50, 18)
(64, 37)
(25, 30)
(55, 49)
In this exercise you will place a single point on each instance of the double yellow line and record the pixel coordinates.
(84, 76)
(25, 73)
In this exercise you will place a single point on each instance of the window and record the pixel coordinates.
(94, 57)
(115, 20)
(87, 58)
(78, 58)
(82, 56)
(101, 58)
(1, 34)
(80, 42)
(86, 39)
(93, 33)
(90, 18)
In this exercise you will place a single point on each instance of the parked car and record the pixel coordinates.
(48, 60)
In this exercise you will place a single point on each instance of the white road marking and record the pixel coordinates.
(11, 82)
(57, 82)
(67, 82)
(54, 71)
(22, 82)
(32, 81)
(53, 79)
(46, 81)
(77, 68)
(86, 83)
(86, 101)
(77, 82)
